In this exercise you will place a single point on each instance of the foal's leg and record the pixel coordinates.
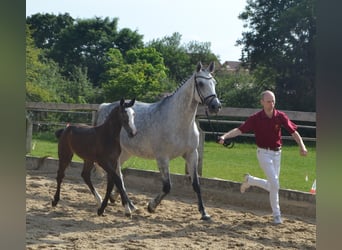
(192, 163)
(114, 194)
(87, 167)
(120, 186)
(126, 202)
(124, 156)
(163, 165)
(64, 161)
(114, 177)
(109, 168)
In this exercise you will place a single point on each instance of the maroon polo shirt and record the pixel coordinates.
(268, 130)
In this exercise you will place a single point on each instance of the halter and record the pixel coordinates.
(229, 143)
(204, 100)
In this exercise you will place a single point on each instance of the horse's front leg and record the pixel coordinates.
(115, 192)
(121, 190)
(192, 163)
(109, 168)
(119, 184)
(163, 165)
(129, 206)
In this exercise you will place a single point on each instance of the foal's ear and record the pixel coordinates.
(131, 103)
(122, 101)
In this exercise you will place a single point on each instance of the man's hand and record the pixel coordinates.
(228, 142)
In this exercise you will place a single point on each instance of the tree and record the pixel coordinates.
(237, 89)
(200, 52)
(180, 58)
(127, 39)
(140, 75)
(280, 48)
(78, 89)
(84, 45)
(47, 28)
(36, 89)
(82, 42)
(175, 56)
(45, 83)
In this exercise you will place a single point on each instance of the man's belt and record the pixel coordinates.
(273, 149)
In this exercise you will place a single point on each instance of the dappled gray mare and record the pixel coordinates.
(167, 129)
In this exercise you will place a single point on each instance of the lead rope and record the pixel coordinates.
(229, 143)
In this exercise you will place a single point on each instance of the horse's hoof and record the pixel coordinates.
(132, 207)
(54, 203)
(100, 212)
(128, 215)
(206, 217)
(150, 209)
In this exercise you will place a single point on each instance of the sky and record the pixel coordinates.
(214, 21)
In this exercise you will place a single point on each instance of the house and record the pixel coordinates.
(231, 66)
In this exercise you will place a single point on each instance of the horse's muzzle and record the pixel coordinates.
(214, 105)
(132, 134)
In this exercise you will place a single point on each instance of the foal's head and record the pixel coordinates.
(127, 117)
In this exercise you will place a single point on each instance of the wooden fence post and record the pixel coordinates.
(29, 127)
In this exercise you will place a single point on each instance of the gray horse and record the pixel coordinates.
(167, 129)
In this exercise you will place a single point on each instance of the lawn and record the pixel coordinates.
(297, 172)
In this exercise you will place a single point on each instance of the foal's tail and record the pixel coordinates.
(59, 132)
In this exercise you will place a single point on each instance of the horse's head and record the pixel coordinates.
(205, 87)
(128, 117)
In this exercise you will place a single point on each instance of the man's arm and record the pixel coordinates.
(296, 136)
(230, 134)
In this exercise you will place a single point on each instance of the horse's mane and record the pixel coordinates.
(179, 86)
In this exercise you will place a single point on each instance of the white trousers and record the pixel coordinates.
(269, 161)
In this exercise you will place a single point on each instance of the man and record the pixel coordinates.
(266, 125)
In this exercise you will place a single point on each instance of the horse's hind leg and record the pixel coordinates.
(163, 165)
(63, 163)
(86, 172)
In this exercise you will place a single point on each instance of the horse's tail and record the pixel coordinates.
(59, 132)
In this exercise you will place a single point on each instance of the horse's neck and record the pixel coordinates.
(112, 125)
(184, 99)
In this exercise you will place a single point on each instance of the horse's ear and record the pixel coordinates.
(211, 67)
(199, 66)
(122, 101)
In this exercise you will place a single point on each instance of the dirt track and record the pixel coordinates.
(74, 224)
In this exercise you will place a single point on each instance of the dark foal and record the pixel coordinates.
(101, 145)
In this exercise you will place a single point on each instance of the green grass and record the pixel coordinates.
(219, 162)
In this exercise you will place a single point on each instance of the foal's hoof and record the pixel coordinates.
(206, 217)
(128, 215)
(132, 206)
(54, 203)
(100, 212)
(150, 209)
